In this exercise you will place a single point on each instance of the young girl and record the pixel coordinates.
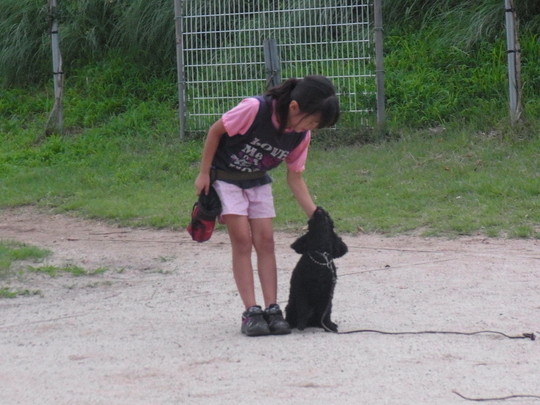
(252, 138)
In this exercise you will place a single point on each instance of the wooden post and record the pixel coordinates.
(181, 80)
(55, 123)
(379, 67)
(514, 61)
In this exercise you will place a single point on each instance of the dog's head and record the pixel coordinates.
(321, 236)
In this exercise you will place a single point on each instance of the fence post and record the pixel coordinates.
(180, 71)
(514, 61)
(55, 123)
(272, 63)
(379, 66)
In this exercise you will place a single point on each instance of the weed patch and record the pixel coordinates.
(76, 271)
(11, 251)
(6, 292)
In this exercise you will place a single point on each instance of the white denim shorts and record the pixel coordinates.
(255, 202)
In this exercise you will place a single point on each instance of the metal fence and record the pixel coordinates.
(232, 49)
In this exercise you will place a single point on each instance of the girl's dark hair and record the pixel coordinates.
(314, 95)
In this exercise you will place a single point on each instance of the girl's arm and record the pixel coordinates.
(300, 191)
(202, 182)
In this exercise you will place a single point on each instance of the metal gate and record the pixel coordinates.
(232, 49)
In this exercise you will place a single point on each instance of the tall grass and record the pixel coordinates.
(144, 30)
(429, 85)
(117, 54)
(461, 21)
(89, 29)
(23, 49)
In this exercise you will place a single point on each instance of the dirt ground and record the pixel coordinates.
(162, 324)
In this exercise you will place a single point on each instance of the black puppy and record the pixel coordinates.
(314, 277)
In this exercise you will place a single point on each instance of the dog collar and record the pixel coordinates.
(328, 260)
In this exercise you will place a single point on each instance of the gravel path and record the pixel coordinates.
(162, 324)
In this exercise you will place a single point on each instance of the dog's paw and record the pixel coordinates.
(331, 326)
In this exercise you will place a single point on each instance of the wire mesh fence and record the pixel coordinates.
(224, 53)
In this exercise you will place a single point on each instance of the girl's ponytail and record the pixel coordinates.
(314, 95)
(282, 95)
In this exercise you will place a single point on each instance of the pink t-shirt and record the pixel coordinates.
(238, 120)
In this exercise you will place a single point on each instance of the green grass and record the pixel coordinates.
(76, 271)
(445, 61)
(6, 292)
(428, 83)
(458, 182)
(11, 251)
(120, 157)
(453, 184)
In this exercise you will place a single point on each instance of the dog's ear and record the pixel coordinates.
(340, 248)
(300, 245)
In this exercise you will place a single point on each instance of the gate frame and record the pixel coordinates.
(273, 69)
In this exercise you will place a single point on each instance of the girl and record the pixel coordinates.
(252, 138)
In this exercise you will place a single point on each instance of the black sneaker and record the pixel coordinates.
(276, 323)
(253, 322)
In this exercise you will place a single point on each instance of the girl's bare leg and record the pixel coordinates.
(263, 240)
(239, 230)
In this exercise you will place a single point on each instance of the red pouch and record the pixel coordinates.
(203, 216)
(200, 229)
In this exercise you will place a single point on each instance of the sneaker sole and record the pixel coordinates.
(257, 333)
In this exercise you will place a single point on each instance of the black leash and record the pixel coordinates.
(330, 264)
(496, 398)
(530, 336)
